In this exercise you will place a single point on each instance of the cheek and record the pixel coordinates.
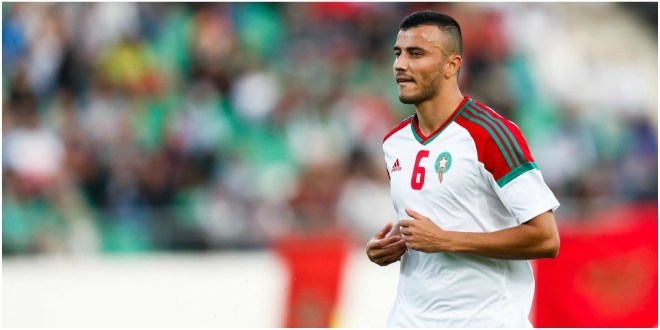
(430, 71)
(437, 74)
(430, 79)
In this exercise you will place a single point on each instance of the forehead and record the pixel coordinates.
(423, 36)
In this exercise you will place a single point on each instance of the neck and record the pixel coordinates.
(432, 113)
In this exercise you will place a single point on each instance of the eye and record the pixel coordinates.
(397, 54)
(415, 53)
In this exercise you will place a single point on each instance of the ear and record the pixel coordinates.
(453, 65)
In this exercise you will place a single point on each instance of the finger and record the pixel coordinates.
(391, 257)
(410, 245)
(381, 243)
(388, 250)
(399, 243)
(386, 261)
(383, 262)
(383, 232)
(405, 223)
(408, 236)
(414, 214)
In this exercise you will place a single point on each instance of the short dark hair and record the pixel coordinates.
(445, 23)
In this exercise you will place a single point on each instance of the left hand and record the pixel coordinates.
(422, 234)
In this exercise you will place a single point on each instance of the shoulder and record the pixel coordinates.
(398, 127)
(501, 146)
(485, 123)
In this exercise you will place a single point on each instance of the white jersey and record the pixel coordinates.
(474, 174)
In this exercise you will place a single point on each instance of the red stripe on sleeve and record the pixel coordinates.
(513, 129)
(488, 152)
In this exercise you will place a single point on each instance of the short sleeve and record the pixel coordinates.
(503, 150)
(527, 195)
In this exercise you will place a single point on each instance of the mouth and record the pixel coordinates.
(403, 80)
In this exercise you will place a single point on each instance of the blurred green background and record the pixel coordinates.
(131, 127)
(144, 130)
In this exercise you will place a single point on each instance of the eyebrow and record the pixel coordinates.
(409, 49)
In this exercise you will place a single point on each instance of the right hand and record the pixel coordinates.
(384, 250)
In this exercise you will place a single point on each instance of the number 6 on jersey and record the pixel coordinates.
(418, 173)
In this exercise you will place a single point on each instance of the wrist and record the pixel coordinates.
(455, 242)
(447, 242)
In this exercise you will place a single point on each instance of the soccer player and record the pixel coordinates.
(472, 205)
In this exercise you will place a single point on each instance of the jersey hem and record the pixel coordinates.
(538, 211)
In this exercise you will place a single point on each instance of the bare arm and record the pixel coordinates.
(534, 239)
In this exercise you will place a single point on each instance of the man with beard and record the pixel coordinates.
(472, 204)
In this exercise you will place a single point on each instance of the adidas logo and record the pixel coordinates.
(396, 166)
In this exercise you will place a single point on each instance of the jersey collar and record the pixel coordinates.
(419, 136)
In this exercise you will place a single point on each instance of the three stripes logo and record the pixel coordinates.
(396, 166)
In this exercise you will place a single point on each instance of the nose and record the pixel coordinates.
(400, 63)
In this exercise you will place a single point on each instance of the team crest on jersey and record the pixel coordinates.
(442, 164)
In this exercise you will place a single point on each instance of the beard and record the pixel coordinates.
(429, 91)
(425, 94)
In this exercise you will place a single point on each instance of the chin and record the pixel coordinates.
(404, 98)
(407, 99)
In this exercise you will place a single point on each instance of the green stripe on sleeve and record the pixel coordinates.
(501, 134)
(521, 155)
(464, 114)
(518, 171)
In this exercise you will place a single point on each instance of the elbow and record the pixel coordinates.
(551, 248)
(553, 252)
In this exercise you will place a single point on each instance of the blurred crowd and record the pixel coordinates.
(130, 127)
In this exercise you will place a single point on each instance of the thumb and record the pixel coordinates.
(383, 232)
(414, 214)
